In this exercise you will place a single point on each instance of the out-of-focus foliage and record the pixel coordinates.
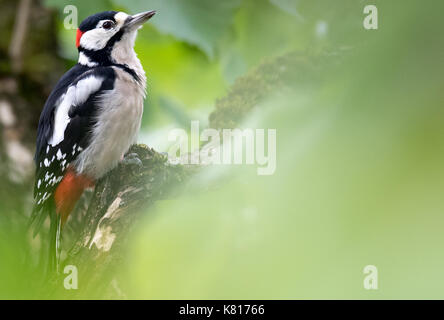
(360, 131)
(359, 181)
(197, 22)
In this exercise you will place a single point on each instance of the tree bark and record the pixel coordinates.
(114, 208)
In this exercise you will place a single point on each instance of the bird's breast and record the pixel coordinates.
(116, 127)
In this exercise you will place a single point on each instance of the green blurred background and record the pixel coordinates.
(360, 153)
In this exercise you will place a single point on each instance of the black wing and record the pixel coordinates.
(52, 159)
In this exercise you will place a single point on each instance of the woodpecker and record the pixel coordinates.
(90, 119)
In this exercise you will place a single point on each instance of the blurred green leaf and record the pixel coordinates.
(288, 6)
(260, 30)
(198, 22)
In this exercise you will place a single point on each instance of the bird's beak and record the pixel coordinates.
(137, 20)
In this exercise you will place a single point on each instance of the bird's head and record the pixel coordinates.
(103, 37)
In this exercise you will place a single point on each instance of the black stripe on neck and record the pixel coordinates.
(103, 57)
(125, 67)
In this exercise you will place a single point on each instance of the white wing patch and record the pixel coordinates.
(74, 96)
(85, 88)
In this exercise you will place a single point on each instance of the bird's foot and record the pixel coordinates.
(132, 160)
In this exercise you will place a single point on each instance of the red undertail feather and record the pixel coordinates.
(69, 191)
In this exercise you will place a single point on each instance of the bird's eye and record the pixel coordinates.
(107, 25)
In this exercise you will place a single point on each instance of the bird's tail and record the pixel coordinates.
(50, 257)
(38, 217)
(55, 238)
(58, 207)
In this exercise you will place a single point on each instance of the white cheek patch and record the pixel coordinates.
(76, 95)
(96, 39)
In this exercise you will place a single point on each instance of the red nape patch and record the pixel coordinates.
(79, 35)
(69, 191)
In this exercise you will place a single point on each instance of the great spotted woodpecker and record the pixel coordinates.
(90, 119)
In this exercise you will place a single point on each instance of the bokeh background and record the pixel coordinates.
(360, 147)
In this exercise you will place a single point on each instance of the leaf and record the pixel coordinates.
(288, 6)
(260, 30)
(198, 22)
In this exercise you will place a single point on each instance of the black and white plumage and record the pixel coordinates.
(66, 124)
(93, 115)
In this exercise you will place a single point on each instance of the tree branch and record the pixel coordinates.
(113, 210)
